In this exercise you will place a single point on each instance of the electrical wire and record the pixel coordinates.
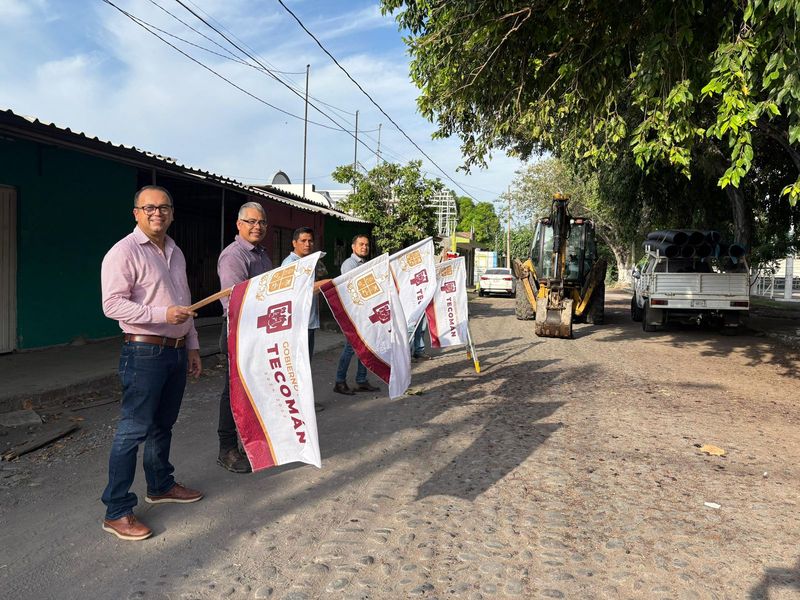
(275, 77)
(146, 26)
(363, 91)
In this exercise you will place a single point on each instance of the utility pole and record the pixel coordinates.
(355, 155)
(379, 142)
(508, 232)
(305, 134)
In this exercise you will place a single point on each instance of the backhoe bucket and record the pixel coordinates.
(553, 320)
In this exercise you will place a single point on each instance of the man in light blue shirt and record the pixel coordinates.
(360, 248)
(303, 245)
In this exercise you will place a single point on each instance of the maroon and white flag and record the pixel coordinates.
(447, 314)
(414, 273)
(272, 396)
(364, 302)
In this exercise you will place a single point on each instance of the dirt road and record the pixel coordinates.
(566, 469)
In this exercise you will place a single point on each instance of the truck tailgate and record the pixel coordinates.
(700, 284)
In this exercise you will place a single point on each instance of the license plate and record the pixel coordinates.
(698, 303)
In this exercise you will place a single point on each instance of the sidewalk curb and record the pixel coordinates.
(48, 398)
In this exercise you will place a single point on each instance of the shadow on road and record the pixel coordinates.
(705, 341)
(776, 578)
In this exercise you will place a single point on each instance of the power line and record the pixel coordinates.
(363, 91)
(275, 77)
(146, 26)
(273, 69)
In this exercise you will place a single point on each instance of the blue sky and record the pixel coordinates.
(82, 64)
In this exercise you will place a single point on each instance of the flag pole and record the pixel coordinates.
(471, 351)
(212, 298)
(227, 292)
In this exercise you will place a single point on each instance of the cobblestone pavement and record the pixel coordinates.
(566, 469)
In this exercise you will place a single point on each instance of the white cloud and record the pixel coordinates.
(121, 84)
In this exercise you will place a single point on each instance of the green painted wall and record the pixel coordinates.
(72, 207)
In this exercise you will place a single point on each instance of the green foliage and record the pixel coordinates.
(396, 198)
(521, 240)
(594, 80)
(481, 220)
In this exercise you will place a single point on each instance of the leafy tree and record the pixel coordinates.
(690, 84)
(396, 198)
(481, 220)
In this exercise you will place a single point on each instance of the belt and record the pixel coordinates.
(156, 340)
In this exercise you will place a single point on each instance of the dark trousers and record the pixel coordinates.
(226, 430)
(153, 379)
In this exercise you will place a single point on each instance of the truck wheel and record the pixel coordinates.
(730, 324)
(481, 293)
(636, 312)
(522, 308)
(645, 325)
(597, 309)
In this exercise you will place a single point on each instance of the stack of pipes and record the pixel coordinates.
(691, 243)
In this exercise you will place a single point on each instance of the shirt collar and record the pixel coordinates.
(141, 238)
(248, 246)
(357, 258)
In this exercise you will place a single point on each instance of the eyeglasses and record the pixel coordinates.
(149, 209)
(253, 222)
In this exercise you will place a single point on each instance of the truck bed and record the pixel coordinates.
(700, 285)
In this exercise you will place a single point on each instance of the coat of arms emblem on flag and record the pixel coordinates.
(414, 269)
(272, 395)
(364, 302)
(447, 314)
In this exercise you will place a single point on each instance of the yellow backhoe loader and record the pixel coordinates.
(563, 279)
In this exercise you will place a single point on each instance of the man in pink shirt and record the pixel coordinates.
(145, 288)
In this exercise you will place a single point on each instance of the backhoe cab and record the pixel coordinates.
(563, 279)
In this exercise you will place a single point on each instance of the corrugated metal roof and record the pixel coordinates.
(37, 129)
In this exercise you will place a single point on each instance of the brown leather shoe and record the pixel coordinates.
(127, 528)
(367, 387)
(341, 388)
(177, 494)
(234, 461)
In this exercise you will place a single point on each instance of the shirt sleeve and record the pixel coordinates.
(117, 278)
(231, 270)
(192, 341)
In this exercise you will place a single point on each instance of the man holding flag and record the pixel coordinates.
(242, 259)
(360, 248)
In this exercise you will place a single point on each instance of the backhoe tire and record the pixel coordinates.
(523, 309)
(596, 314)
(636, 312)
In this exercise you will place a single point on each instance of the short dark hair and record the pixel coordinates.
(155, 188)
(300, 231)
(359, 235)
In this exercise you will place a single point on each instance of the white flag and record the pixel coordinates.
(447, 314)
(364, 302)
(413, 269)
(272, 396)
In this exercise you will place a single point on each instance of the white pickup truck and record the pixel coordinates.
(689, 290)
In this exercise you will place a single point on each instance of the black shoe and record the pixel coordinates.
(341, 388)
(366, 387)
(318, 408)
(422, 356)
(234, 461)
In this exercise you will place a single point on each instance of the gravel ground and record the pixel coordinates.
(566, 469)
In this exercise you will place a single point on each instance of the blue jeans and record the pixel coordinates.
(311, 344)
(418, 344)
(344, 364)
(153, 379)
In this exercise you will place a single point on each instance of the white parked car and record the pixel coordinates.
(497, 281)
